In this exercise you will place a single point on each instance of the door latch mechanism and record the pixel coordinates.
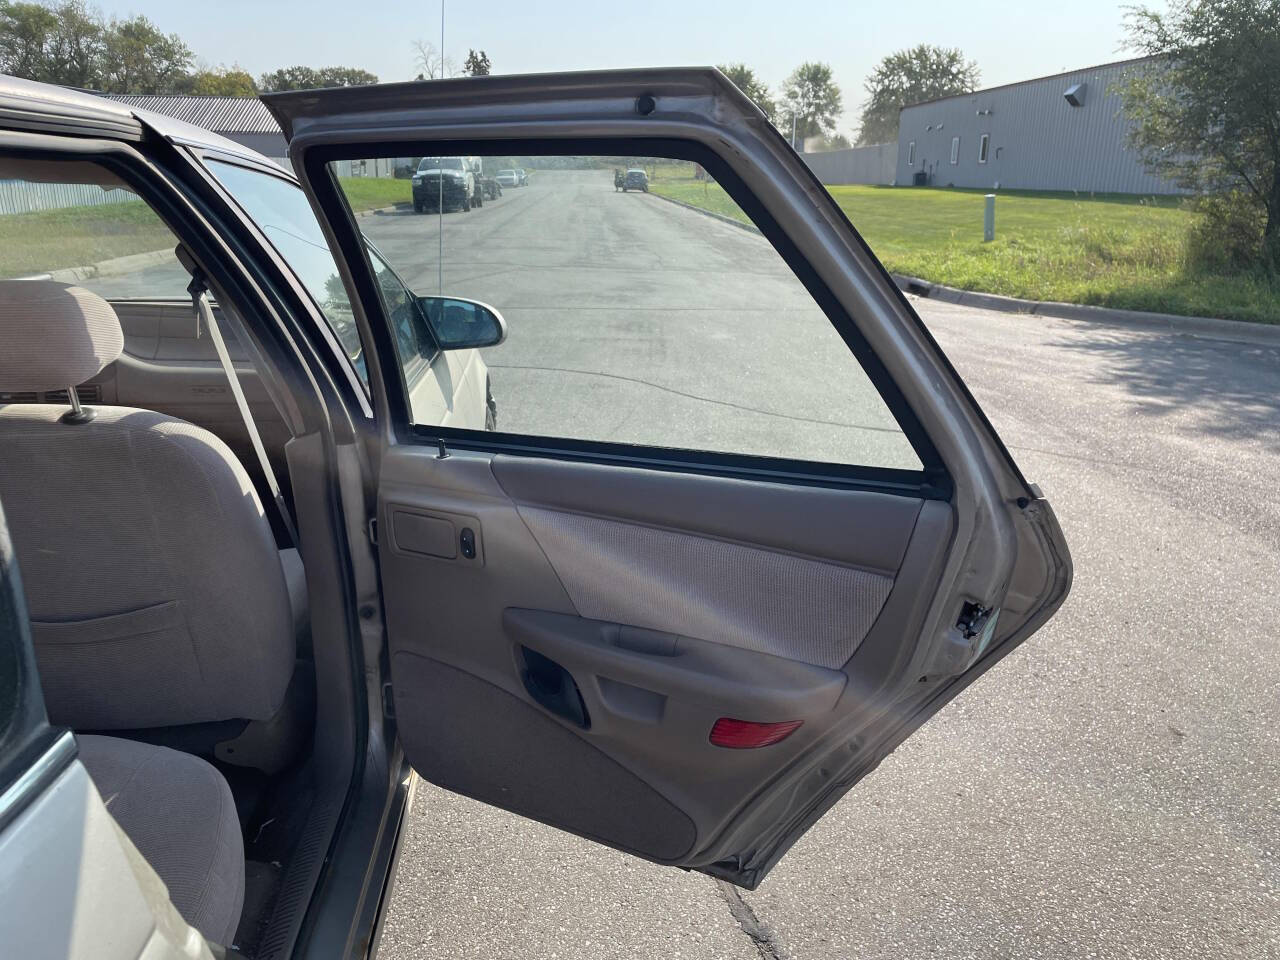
(967, 640)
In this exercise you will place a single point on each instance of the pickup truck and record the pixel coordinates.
(444, 182)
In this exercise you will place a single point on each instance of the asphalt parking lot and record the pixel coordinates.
(1111, 789)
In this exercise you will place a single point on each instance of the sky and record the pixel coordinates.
(1010, 41)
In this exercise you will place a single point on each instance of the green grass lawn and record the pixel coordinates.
(32, 243)
(1115, 251)
(369, 193)
(76, 236)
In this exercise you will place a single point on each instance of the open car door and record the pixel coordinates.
(683, 650)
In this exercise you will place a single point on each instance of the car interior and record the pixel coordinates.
(169, 608)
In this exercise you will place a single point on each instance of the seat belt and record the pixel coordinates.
(199, 290)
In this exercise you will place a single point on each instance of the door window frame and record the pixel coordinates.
(955, 150)
(931, 482)
(984, 145)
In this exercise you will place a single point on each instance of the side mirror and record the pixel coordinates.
(462, 324)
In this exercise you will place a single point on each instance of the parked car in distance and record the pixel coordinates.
(445, 182)
(636, 180)
(508, 178)
(487, 185)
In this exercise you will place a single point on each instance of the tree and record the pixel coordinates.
(924, 72)
(345, 77)
(138, 58)
(812, 100)
(25, 32)
(1206, 112)
(477, 64)
(309, 78)
(74, 54)
(222, 82)
(432, 64)
(834, 141)
(289, 78)
(745, 79)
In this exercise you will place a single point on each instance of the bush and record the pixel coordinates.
(1228, 233)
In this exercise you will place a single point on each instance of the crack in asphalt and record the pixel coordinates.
(748, 922)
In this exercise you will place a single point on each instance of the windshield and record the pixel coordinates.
(440, 163)
(506, 173)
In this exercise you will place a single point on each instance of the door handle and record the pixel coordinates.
(677, 667)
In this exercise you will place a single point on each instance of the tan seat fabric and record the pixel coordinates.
(153, 582)
(178, 811)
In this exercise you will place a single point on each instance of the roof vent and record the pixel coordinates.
(1074, 94)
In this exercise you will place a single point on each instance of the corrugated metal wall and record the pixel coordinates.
(1037, 140)
(24, 196)
(874, 164)
(373, 167)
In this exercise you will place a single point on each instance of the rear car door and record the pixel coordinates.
(741, 529)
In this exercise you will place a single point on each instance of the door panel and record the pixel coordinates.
(574, 669)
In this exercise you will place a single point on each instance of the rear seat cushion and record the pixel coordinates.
(178, 811)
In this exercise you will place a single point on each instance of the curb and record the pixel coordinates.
(750, 228)
(116, 265)
(1238, 331)
(382, 210)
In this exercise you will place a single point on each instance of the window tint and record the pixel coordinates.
(77, 222)
(631, 317)
(283, 214)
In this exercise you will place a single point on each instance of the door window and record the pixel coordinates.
(955, 150)
(983, 141)
(283, 213)
(77, 222)
(661, 319)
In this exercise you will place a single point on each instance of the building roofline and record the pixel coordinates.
(1020, 83)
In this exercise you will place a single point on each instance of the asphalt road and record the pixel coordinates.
(1111, 789)
(635, 320)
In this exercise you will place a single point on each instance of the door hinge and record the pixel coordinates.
(388, 702)
(372, 530)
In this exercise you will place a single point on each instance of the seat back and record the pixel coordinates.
(152, 579)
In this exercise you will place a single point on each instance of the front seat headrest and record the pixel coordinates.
(54, 335)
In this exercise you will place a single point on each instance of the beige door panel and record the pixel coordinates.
(608, 617)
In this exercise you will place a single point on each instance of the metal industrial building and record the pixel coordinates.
(1062, 132)
(874, 164)
(246, 120)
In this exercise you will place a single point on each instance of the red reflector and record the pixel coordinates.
(743, 734)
